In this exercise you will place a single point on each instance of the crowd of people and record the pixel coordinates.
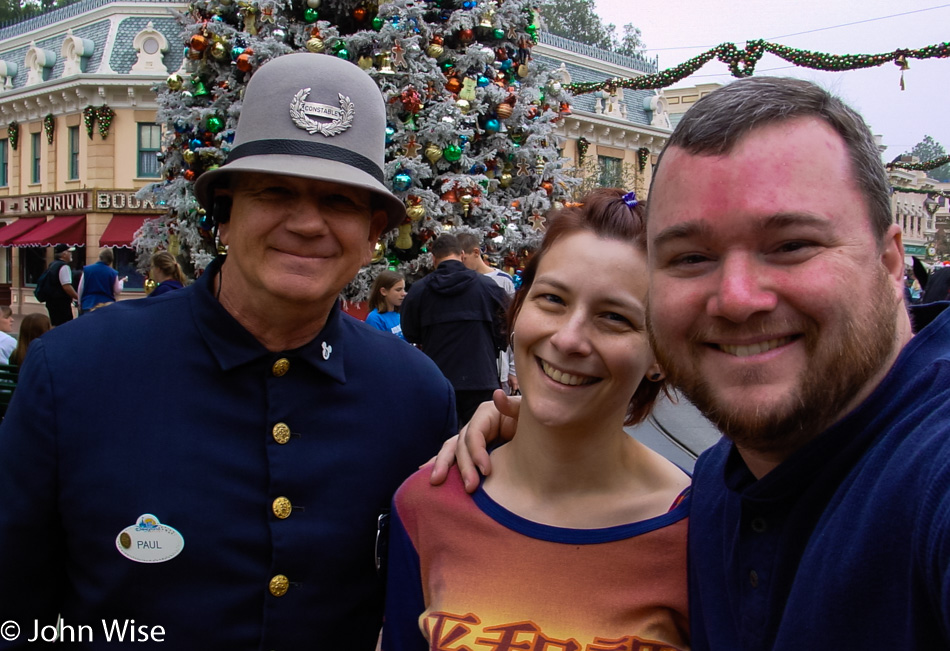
(277, 503)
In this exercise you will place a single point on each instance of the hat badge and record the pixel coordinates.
(302, 113)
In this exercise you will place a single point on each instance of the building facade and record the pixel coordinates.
(78, 135)
(614, 138)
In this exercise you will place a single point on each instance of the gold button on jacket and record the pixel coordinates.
(282, 507)
(281, 366)
(281, 433)
(279, 585)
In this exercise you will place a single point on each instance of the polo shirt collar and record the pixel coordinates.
(232, 345)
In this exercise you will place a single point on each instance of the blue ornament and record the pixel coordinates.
(402, 182)
(506, 64)
(196, 143)
(236, 51)
(390, 132)
(492, 125)
(478, 168)
(483, 81)
(468, 5)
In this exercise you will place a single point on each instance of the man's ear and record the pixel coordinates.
(892, 255)
(377, 226)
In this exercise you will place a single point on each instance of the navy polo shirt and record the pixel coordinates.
(845, 545)
(272, 468)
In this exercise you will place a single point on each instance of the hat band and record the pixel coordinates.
(311, 149)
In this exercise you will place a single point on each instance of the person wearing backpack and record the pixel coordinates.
(55, 286)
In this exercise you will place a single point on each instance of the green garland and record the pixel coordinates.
(13, 133)
(923, 166)
(89, 118)
(49, 123)
(939, 193)
(742, 62)
(643, 156)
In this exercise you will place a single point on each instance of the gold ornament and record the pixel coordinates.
(365, 62)
(379, 252)
(175, 81)
(435, 50)
(315, 45)
(416, 211)
(464, 105)
(433, 152)
(504, 110)
(505, 179)
(385, 64)
(404, 239)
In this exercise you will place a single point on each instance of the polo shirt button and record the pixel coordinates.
(759, 525)
(754, 579)
(281, 508)
(281, 366)
(281, 433)
(279, 585)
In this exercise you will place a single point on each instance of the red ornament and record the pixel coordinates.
(466, 35)
(411, 100)
(453, 85)
(548, 187)
(189, 175)
(451, 196)
(359, 14)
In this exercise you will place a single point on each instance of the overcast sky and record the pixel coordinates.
(677, 30)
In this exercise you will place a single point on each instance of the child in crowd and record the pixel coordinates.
(389, 289)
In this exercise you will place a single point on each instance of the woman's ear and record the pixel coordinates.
(655, 373)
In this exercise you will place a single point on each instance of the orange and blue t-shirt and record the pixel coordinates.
(467, 574)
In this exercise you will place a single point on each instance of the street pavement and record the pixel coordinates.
(676, 430)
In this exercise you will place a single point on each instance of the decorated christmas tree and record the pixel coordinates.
(470, 142)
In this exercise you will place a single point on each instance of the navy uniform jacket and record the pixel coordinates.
(268, 465)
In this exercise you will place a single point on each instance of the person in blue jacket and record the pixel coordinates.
(165, 270)
(244, 512)
(385, 297)
(100, 283)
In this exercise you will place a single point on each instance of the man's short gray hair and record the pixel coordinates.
(718, 121)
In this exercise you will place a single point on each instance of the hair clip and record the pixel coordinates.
(631, 200)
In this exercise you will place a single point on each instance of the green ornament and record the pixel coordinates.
(499, 33)
(532, 31)
(343, 53)
(215, 124)
(200, 90)
(452, 153)
(311, 15)
(378, 23)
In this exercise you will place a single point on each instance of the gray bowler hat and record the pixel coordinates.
(314, 116)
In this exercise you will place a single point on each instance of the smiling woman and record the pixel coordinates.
(574, 506)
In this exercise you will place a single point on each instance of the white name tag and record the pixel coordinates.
(149, 541)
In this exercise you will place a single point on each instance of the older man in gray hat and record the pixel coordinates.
(231, 494)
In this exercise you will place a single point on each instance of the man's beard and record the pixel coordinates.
(837, 371)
